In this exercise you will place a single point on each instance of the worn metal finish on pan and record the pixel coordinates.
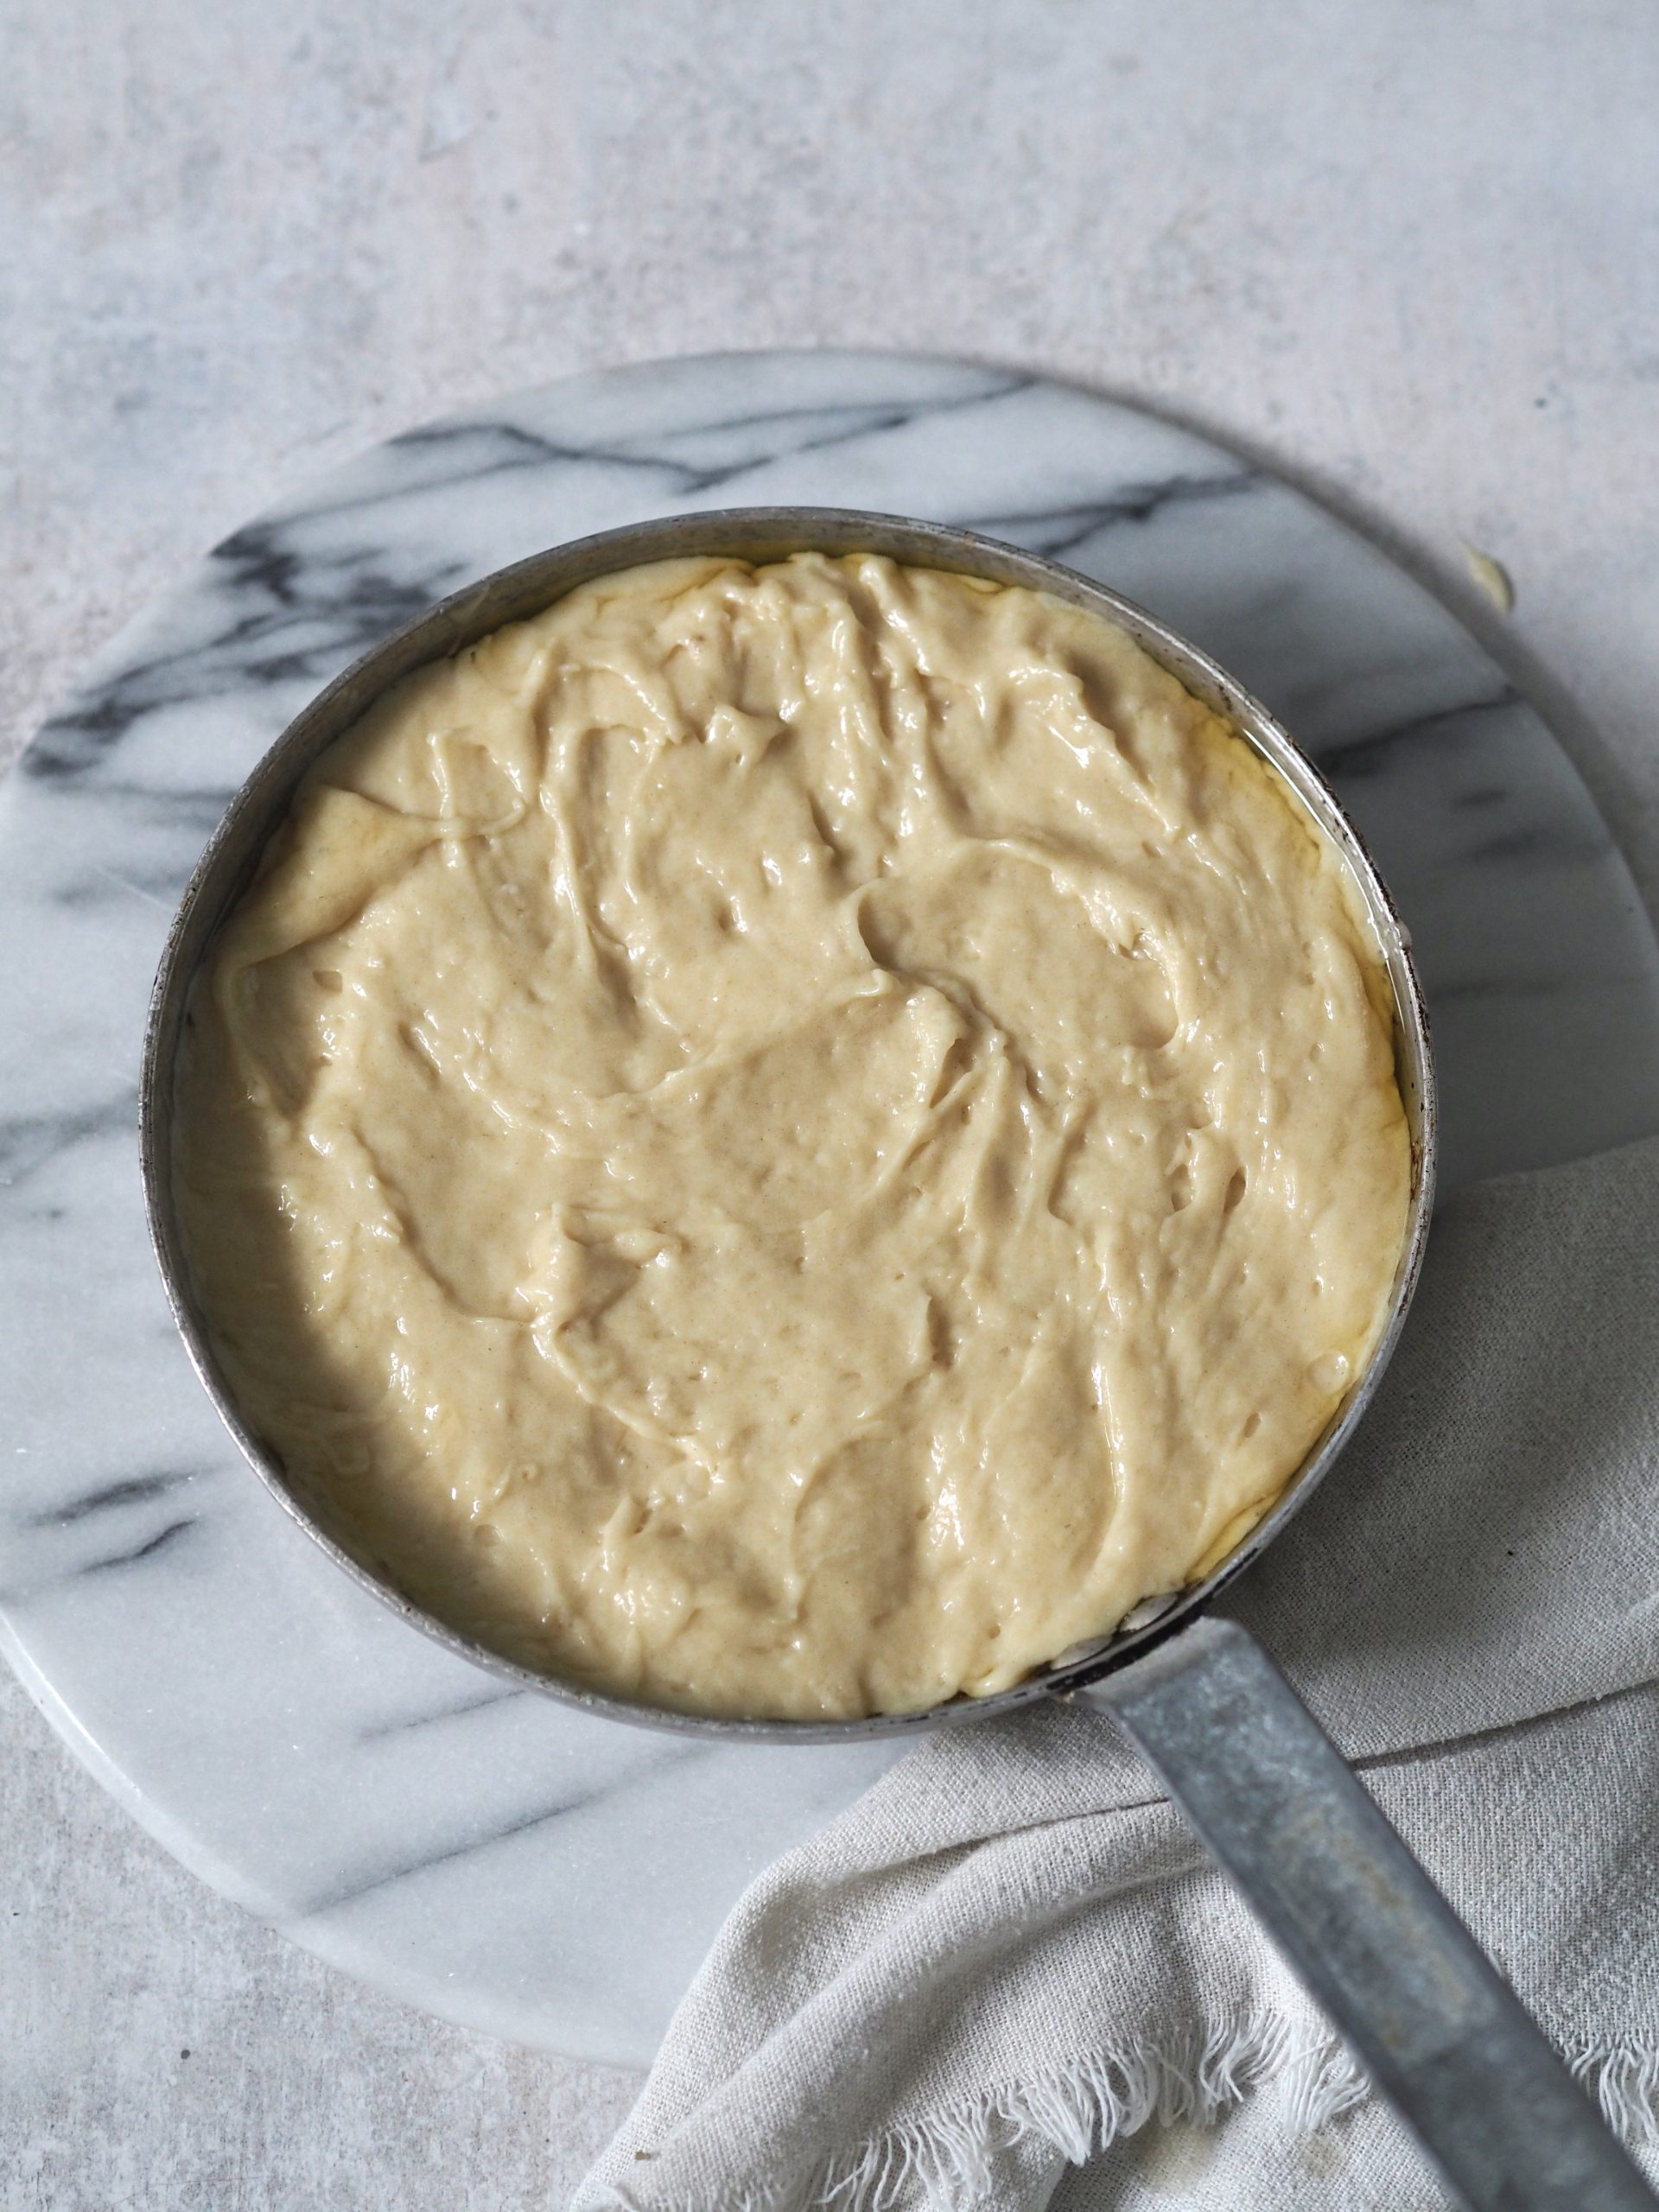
(757, 534)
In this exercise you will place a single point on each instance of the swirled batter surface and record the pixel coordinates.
(791, 1141)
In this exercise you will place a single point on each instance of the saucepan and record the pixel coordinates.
(1438, 2029)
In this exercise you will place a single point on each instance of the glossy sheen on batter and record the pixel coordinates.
(792, 1141)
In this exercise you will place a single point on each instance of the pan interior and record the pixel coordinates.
(230, 861)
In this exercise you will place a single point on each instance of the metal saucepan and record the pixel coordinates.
(1439, 2032)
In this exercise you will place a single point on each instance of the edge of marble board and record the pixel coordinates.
(371, 1964)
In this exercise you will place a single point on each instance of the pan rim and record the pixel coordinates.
(758, 534)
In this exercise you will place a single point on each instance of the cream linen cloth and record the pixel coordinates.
(978, 1986)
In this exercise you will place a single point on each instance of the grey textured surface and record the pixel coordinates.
(1408, 254)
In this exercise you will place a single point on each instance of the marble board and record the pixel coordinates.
(513, 1865)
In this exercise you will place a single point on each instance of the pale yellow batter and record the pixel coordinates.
(792, 1141)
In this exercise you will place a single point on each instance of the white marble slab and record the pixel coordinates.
(499, 1859)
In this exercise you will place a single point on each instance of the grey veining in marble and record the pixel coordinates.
(477, 1850)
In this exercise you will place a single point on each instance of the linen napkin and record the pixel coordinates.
(977, 1986)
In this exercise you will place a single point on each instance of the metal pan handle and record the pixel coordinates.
(1440, 2033)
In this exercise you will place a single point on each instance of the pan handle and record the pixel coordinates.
(1442, 2034)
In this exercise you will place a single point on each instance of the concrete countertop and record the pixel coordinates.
(1409, 255)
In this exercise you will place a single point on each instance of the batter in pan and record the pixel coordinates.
(794, 1140)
